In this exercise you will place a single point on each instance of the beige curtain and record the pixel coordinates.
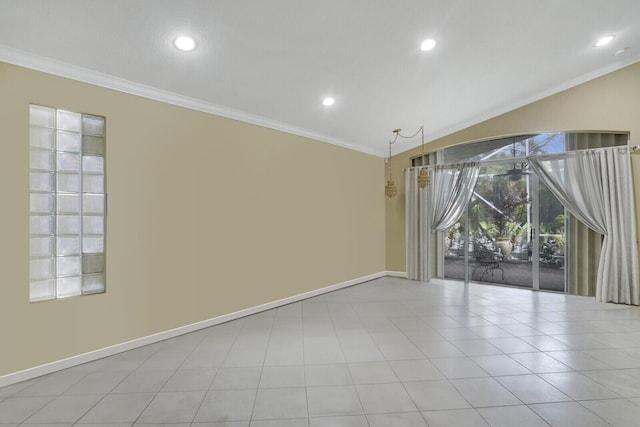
(583, 254)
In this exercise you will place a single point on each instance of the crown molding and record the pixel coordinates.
(85, 75)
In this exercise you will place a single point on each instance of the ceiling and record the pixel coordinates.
(273, 62)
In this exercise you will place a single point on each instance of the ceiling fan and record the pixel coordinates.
(516, 172)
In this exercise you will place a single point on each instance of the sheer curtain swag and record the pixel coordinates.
(434, 208)
(595, 186)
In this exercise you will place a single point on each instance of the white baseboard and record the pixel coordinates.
(69, 362)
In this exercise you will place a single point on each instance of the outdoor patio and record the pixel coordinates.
(516, 273)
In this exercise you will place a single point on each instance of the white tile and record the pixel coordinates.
(284, 354)
(520, 330)
(118, 408)
(190, 380)
(280, 403)
(509, 416)
(490, 331)
(511, 345)
(581, 341)
(568, 414)
(416, 370)
(457, 334)
(144, 381)
(408, 419)
(336, 374)
(362, 352)
(617, 412)
(545, 343)
(578, 386)
(333, 400)
(12, 389)
(623, 359)
(153, 425)
(206, 357)
(500, 365)
(218, 424)
(454, 417)
(358, 346)
(435, 395)
(484, 392)
(579, 360)
(344, 421)
(259, 365)
(476, 347)
(322, 351)
(400, 350)
(303, 422)
(459, 367)
(64, 409)
(372, 373)
(226, 405)
(532, 389)
(618, 381)
(53, 384)
(173, 407)
(438, 348)
(385, 398)
(245, 356)
(282, 376)
(18, 409)
(97, 383)
(539, 362)
(237, 378)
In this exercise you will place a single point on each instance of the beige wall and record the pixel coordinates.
(207, 216)
(611, 102)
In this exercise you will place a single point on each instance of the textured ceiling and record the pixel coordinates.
(273, 62)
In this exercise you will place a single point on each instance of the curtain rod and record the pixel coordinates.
(632, 150)
(446, 165)
(557, 155)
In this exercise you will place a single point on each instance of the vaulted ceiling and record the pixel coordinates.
(274, 62)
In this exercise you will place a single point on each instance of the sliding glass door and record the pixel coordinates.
(501, 226)
(551, 241)
(513, 232)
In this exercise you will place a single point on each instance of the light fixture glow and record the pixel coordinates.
(427, 45)
(328, 101)
(184, 43)
(604, 41)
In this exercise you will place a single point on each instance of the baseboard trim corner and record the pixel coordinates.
(390, 273)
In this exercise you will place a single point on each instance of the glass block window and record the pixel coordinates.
(67, 203)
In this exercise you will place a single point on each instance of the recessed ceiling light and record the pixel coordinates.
(604, 41)
(328, 101)
(427, 45)
(184, 43)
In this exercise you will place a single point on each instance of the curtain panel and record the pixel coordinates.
(434, 208)
(416, 231)
(596, 187)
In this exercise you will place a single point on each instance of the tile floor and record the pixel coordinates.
(390, 352)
